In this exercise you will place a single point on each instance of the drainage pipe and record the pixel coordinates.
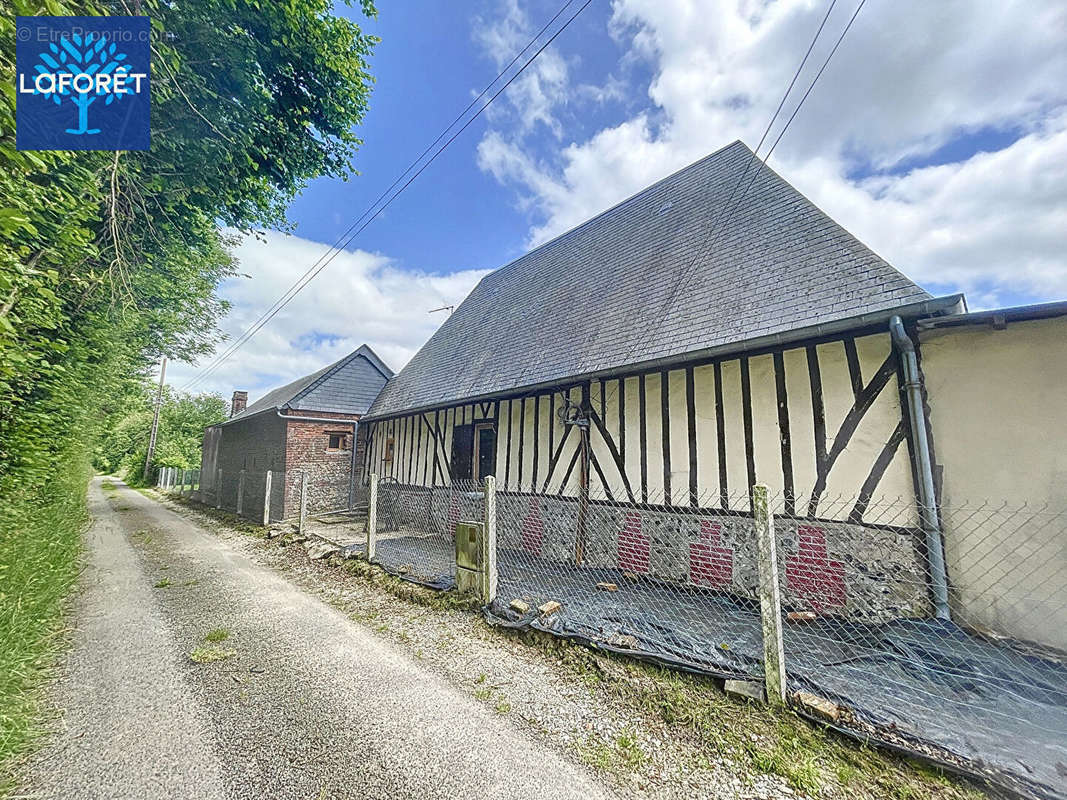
(935, 551)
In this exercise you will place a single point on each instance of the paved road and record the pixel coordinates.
(310, 704)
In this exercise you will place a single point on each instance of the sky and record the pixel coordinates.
(937, 135)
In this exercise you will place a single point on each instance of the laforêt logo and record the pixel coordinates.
(82, 83)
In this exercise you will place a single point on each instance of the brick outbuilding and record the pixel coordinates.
(309, 426)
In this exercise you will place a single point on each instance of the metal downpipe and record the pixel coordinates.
(935, 551)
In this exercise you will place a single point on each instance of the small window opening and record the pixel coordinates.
(337, 441)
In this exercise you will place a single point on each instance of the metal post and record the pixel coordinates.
(266, 499)
(155, 419)
(218, 487)
(489, 572)
(303, 501)
(770, 600)
(372, 518)
(240, 492)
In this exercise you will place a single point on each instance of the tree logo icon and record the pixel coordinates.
(79, 56)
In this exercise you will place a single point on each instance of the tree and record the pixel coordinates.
(110, 260)
(182, 420)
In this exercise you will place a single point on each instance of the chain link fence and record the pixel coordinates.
(983, 681)
(415, 528)
(979, 683)
(272, 496)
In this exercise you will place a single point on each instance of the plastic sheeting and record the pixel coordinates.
(924, 686)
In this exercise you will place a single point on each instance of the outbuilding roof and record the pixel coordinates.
(348, 386)
(722, 251)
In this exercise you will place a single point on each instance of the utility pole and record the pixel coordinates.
(155, 418)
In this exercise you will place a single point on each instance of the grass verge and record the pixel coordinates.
(40, 547)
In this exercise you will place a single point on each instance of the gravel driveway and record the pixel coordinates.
(292, 700)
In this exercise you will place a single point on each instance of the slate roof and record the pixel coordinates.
(662, 274)
(348, 386)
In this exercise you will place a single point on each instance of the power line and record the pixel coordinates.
(721, 218)
(357, 226)
(338, 244)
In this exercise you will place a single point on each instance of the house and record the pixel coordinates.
(714, 331)
(307, 427)
(995, 384)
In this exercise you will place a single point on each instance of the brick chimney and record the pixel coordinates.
(237, 405)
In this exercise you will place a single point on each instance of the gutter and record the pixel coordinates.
(935, 552)
(296, 418)
(951, 304)
(998, 317)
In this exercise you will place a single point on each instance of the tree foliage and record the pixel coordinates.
(128, 420)
(110, 260)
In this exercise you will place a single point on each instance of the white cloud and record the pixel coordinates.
(910, 78)
(543, 86)
(359, 298)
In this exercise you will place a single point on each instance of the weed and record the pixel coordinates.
(628, 747)
(207, 655)
(217, 635)
(483, 694)
(503, 707)
(481, 678)
(162, 583)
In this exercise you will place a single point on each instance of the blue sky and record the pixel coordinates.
(938, 135)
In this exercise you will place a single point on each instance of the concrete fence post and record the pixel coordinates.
(372, 518)
(770, 600)
(303, 501)
(489, 572)
(240, 492)
(182, 475)
(218, 487)
(266, 498)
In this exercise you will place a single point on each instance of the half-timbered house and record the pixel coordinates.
(714, 331)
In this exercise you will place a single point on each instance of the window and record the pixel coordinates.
(474, 451)
(388, 454)
(337, 441)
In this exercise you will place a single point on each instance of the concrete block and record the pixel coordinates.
(751, 690)
(519, 606)
(818, 706)
(549, 608)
